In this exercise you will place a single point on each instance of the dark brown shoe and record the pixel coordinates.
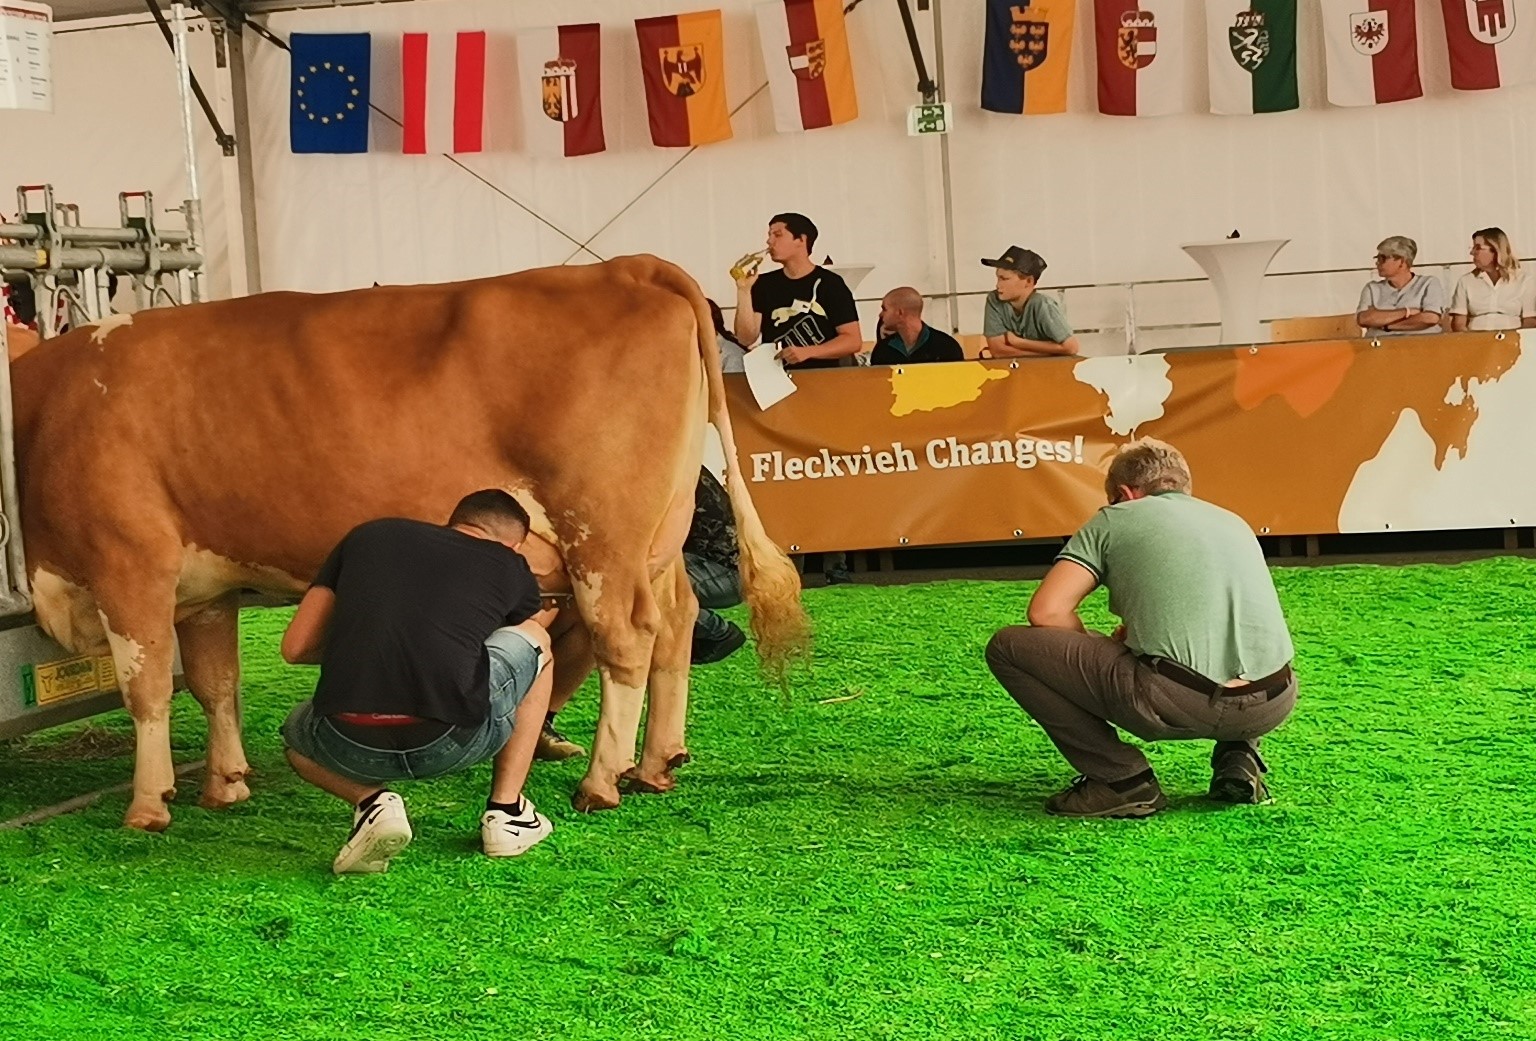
(1089, 798)
(555, 747)
(1237, 775)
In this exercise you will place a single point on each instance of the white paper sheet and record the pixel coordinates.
(766, 376)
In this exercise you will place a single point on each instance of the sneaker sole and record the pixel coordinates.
(518, 850)
(1238, 790)
(372, 858)
(1129, 811)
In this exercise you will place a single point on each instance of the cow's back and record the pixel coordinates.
(263, 428)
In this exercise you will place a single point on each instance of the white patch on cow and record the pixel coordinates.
(67, 613)
(127, 654)
(103, 326)
(576, 525)
(100, 384)
(588, 586)
(206, 576)
(538, 516)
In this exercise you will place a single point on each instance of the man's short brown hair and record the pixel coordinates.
(1149, 466)
(491, 510)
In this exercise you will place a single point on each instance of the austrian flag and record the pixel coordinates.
(443, 77)
(810, 72)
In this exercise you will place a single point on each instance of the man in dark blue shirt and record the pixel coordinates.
(433, 657)
(905, 338)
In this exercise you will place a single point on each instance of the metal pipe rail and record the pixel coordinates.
(119, 261)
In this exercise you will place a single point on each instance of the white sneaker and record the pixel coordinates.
(504, 835)
(377, 834)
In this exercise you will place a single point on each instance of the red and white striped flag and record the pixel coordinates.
(443, 76)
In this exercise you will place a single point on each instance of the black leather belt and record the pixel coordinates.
(1272, 686)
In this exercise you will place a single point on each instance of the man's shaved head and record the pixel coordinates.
(905, 298)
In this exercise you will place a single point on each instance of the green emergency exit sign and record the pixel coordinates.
(929, 119)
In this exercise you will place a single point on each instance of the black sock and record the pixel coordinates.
(511, 809)
(367, 804)
(1132, 783)
(549, 721)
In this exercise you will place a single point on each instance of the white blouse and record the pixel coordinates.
(1491, 305)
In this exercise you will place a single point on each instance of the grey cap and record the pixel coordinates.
(1398, 246)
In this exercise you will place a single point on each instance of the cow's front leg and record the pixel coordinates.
(666, 721)
(210, 658)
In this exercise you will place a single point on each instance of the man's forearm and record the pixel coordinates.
(1028, 347)
(1418, 320)
(1068, 620)
(748, 324)
(840, 346)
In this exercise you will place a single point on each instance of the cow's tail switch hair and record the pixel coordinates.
(769, 582)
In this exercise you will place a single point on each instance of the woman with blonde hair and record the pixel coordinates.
(1497, 293)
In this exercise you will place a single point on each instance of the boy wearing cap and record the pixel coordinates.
(1019, 322)
(1400, 302)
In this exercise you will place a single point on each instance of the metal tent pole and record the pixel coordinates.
(194, 203)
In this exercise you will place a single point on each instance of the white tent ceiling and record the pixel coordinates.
(70, 10)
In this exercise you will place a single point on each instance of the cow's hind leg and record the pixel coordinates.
(621, 613)
(138, 614)
(210, 658)
(667, 712)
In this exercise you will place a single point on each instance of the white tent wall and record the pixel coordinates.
(330, 222)
(1106, 200)
(116, 126)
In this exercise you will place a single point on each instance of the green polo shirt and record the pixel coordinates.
(1040, 319)
(1190, 582)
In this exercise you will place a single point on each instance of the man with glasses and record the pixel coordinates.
(1399, 302)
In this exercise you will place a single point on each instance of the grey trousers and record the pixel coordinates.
(1075, 685)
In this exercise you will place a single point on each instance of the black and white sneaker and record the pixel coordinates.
(378, 833)
(503, 835)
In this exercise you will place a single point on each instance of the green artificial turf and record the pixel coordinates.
(872, 868)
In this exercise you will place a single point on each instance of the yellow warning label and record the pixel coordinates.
(57, 680)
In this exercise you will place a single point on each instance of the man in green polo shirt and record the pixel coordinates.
(1019, 322)
(1203, 652)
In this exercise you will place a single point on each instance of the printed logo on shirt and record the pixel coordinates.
(802, 333)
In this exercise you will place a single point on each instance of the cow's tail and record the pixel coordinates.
(770, 584)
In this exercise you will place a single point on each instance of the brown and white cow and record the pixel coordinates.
(171, 459)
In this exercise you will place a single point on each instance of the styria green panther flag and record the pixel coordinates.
(1252, 56)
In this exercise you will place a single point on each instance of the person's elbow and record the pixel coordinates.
(1364, 319)
(1046, 615)
(295, 651)
(1070, 346)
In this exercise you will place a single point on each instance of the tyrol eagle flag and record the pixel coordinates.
(1489, 46)
(1252, 53)
(1026, 56)
(560, 69)
(1373, 54)
(1140, 49)
(810, 70)
(682, 58)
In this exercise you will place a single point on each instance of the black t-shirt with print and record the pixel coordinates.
(414, 605)
(803, 312)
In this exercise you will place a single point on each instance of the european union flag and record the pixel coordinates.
(328, 110)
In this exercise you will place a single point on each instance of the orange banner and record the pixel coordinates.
(1294, 438)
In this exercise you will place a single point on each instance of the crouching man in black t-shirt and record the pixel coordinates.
(433, 657)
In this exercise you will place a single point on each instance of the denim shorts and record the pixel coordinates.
(514, 662)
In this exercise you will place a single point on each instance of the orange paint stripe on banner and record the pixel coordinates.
(709, 115)
(842, 97)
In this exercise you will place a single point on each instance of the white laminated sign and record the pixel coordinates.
(26, 73)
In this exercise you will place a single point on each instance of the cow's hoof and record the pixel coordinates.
(147, 817)
(590, 799)
(222, 793)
